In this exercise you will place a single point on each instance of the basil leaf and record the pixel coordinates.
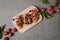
(3, 27)
(1, 30)
(47, 15)
(58, 1)
(0, 33)
(45, 1)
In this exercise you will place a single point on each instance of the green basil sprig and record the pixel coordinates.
(58, 1)
(2, 30)
(45, 1)
(47, 15)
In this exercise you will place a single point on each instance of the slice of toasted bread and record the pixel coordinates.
(26, 27)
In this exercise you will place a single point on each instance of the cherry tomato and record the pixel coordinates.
(54, 5)
(50, 8)
(58, 10)
(52, 12)
(6, 38)
(9, 30)
(43, 9)
(14, 30)
(11, 34)
(5, 33)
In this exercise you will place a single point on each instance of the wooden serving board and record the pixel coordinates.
(26, 27)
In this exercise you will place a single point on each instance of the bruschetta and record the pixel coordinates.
(27, 19)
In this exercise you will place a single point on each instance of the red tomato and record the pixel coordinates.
(9, 30)
(35, 10)
(52, 12)
(58, 10)
(18, 24)
(11, 34)
(54, 5)
(43, 9)
(14, 30)
(34, 14)
(50, 8)
(20, 20)
(29, 21)
(5, 33)
(6, 38)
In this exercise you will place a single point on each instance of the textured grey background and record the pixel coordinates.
(48, 29)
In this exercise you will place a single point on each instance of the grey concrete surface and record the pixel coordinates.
(48, 29)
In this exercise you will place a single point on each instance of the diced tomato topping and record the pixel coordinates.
(29, 21)
(34, 14)
(35, 10)
(20, 20)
